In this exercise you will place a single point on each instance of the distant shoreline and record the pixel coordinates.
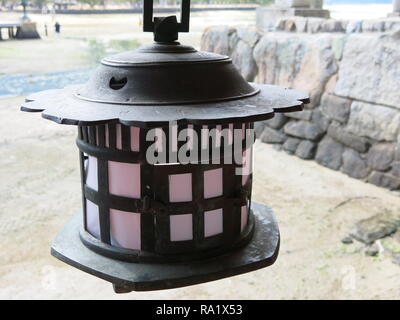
(139, 9)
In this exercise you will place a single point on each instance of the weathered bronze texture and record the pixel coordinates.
(260, 252)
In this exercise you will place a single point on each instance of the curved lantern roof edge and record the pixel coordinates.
(160, 83)
(160, 54)
(61, 106)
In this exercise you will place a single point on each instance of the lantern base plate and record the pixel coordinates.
(261, 252)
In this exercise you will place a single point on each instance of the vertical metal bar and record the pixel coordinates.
(83, 179)
(112, 136)
(85, 134)
(104, 211)
(126, 137)
(147, 219)
(92, 135)
(236, 212)
(101, 136)
(148, 24)
(185, 16)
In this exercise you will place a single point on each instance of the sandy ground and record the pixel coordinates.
(40, 190)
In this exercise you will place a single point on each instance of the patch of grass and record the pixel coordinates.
(99, 49)
(390, 246)
(342, 250)
(323, 269)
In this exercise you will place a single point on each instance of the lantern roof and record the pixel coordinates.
(160, 83)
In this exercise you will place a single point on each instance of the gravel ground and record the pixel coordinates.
(40, 190)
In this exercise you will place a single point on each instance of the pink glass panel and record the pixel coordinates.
(213, 183)
(91, 173)
(92, 219)
(135, 138)
(181, 227)
(243, 217)
(125, 229)
(213, 222)
(118, 136)
(124, 179)
(180, 187)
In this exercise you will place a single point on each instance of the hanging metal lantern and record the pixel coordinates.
(148, 225)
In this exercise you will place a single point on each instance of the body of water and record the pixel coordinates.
(13, 85)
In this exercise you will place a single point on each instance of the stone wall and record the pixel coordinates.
(353, 121)
(316, 25)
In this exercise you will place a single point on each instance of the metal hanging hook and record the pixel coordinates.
(165, 29)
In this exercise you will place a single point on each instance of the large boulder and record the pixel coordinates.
(277, 121)
(374, 228)
(300, 61)
(248, 35)
(218, 39)
(320, 119)
(300, 115)
(354, 165)
(306, 149)
(329, 153)
(380, 156)
(291, 145)
(242, 58)
(385, 180)
(376, 79)
(303, 129)
(336, 108)
(270, 135)
(338, 133)
(373, 121)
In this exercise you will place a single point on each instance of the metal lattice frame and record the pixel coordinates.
(154, 206)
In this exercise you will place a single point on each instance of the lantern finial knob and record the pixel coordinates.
(165, 29)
